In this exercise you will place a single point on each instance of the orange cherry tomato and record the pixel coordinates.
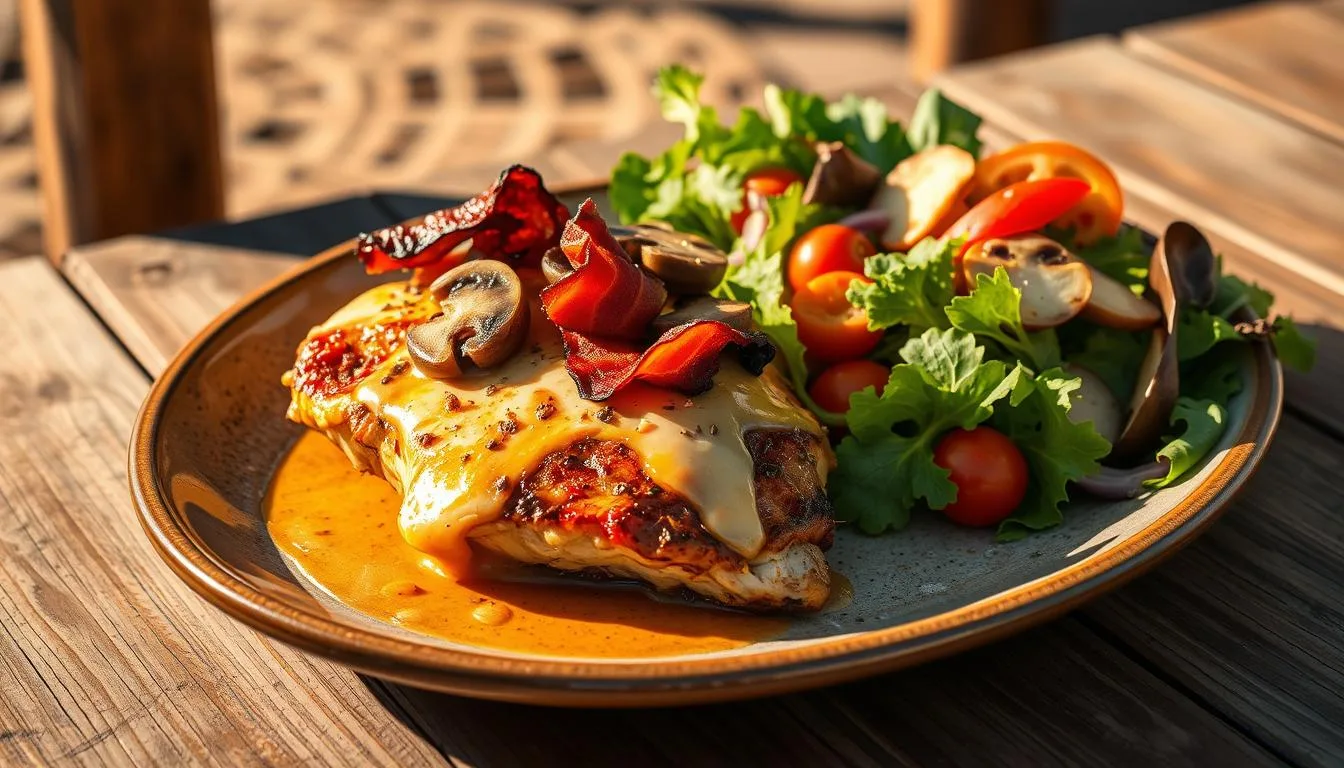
(989, 471)
(828, 248)
(833, 387)
(764, 182)
(829, 326)
(1097, 215)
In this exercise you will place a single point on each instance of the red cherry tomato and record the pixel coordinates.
(828, 248)
(765, 182)
(833, 387)
(989, 472)
(1026, 206)
(829, 326)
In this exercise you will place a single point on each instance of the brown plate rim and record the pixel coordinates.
(669, 681)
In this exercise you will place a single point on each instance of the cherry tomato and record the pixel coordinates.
(1026, 206)
(765, 182)
(829, 326)
(828, 248)
(1095, 216)
(833, 387)
(989, 472)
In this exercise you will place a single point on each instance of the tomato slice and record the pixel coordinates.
(762, 182)
(1026, 206)
(829, 326)
(833, 387)
(828, 248)
(1095, 216)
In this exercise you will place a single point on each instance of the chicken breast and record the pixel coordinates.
(721, 495)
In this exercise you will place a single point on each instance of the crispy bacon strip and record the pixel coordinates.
(604, 307)
(606, 294)
(517, 217)
(684, 358)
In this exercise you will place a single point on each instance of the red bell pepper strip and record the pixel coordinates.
(517, 217)
(604, 308)
(606, 294)
(1026, 206)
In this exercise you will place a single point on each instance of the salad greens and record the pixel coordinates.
(959, 361)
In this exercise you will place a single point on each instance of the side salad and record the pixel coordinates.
(983, 334)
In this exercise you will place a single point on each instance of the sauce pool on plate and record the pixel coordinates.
(340, 528)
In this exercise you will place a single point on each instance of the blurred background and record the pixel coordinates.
(323, 97)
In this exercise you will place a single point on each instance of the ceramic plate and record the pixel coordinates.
(212, 432)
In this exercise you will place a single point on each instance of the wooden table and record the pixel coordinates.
(1230, 653)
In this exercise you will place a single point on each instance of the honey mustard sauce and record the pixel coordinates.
(339, 527)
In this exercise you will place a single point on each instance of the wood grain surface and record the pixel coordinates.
(106, 658)
(1236, 170)
(1270, 54)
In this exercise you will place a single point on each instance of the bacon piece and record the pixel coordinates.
(517, 217)
(606, 295)
(684, 358)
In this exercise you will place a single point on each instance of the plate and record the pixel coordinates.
(212, 432)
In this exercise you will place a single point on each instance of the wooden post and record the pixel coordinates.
(948, 32)
(124, 116)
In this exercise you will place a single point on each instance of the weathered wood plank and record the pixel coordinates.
(1283, 57)
(1249, 618)
(156, 292)
(105, 656)
(1236, 170)
(1058, 695)
(124, 116)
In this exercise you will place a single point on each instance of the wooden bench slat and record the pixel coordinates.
(106, 657)
(1283, 57)
(1239, 172)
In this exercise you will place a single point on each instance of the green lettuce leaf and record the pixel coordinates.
(1204, 423)
(994, 311)
(1124, 257)
(1110, 353)
(1294, 349)
(1057, 450)
(939, 120)
(886, 463)
(908, 289)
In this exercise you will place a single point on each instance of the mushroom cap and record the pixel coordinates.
(1055, 284)
(484, 320)
(735, 314)
(687, 264)
(1114, 305)
(1183, 264)
(841, 177)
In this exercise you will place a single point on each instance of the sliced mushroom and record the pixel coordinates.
(1055, 285)
(841, 177)
(484, 321)
(1184, 264)
(736, 314)
(687, 264)
(555, 264)
(1112, 483)
(1095, 402)
(1159, 384)
(1113, 304)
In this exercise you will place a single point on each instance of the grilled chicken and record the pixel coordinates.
(721, 494)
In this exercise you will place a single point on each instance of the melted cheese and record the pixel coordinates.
(464, 444)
